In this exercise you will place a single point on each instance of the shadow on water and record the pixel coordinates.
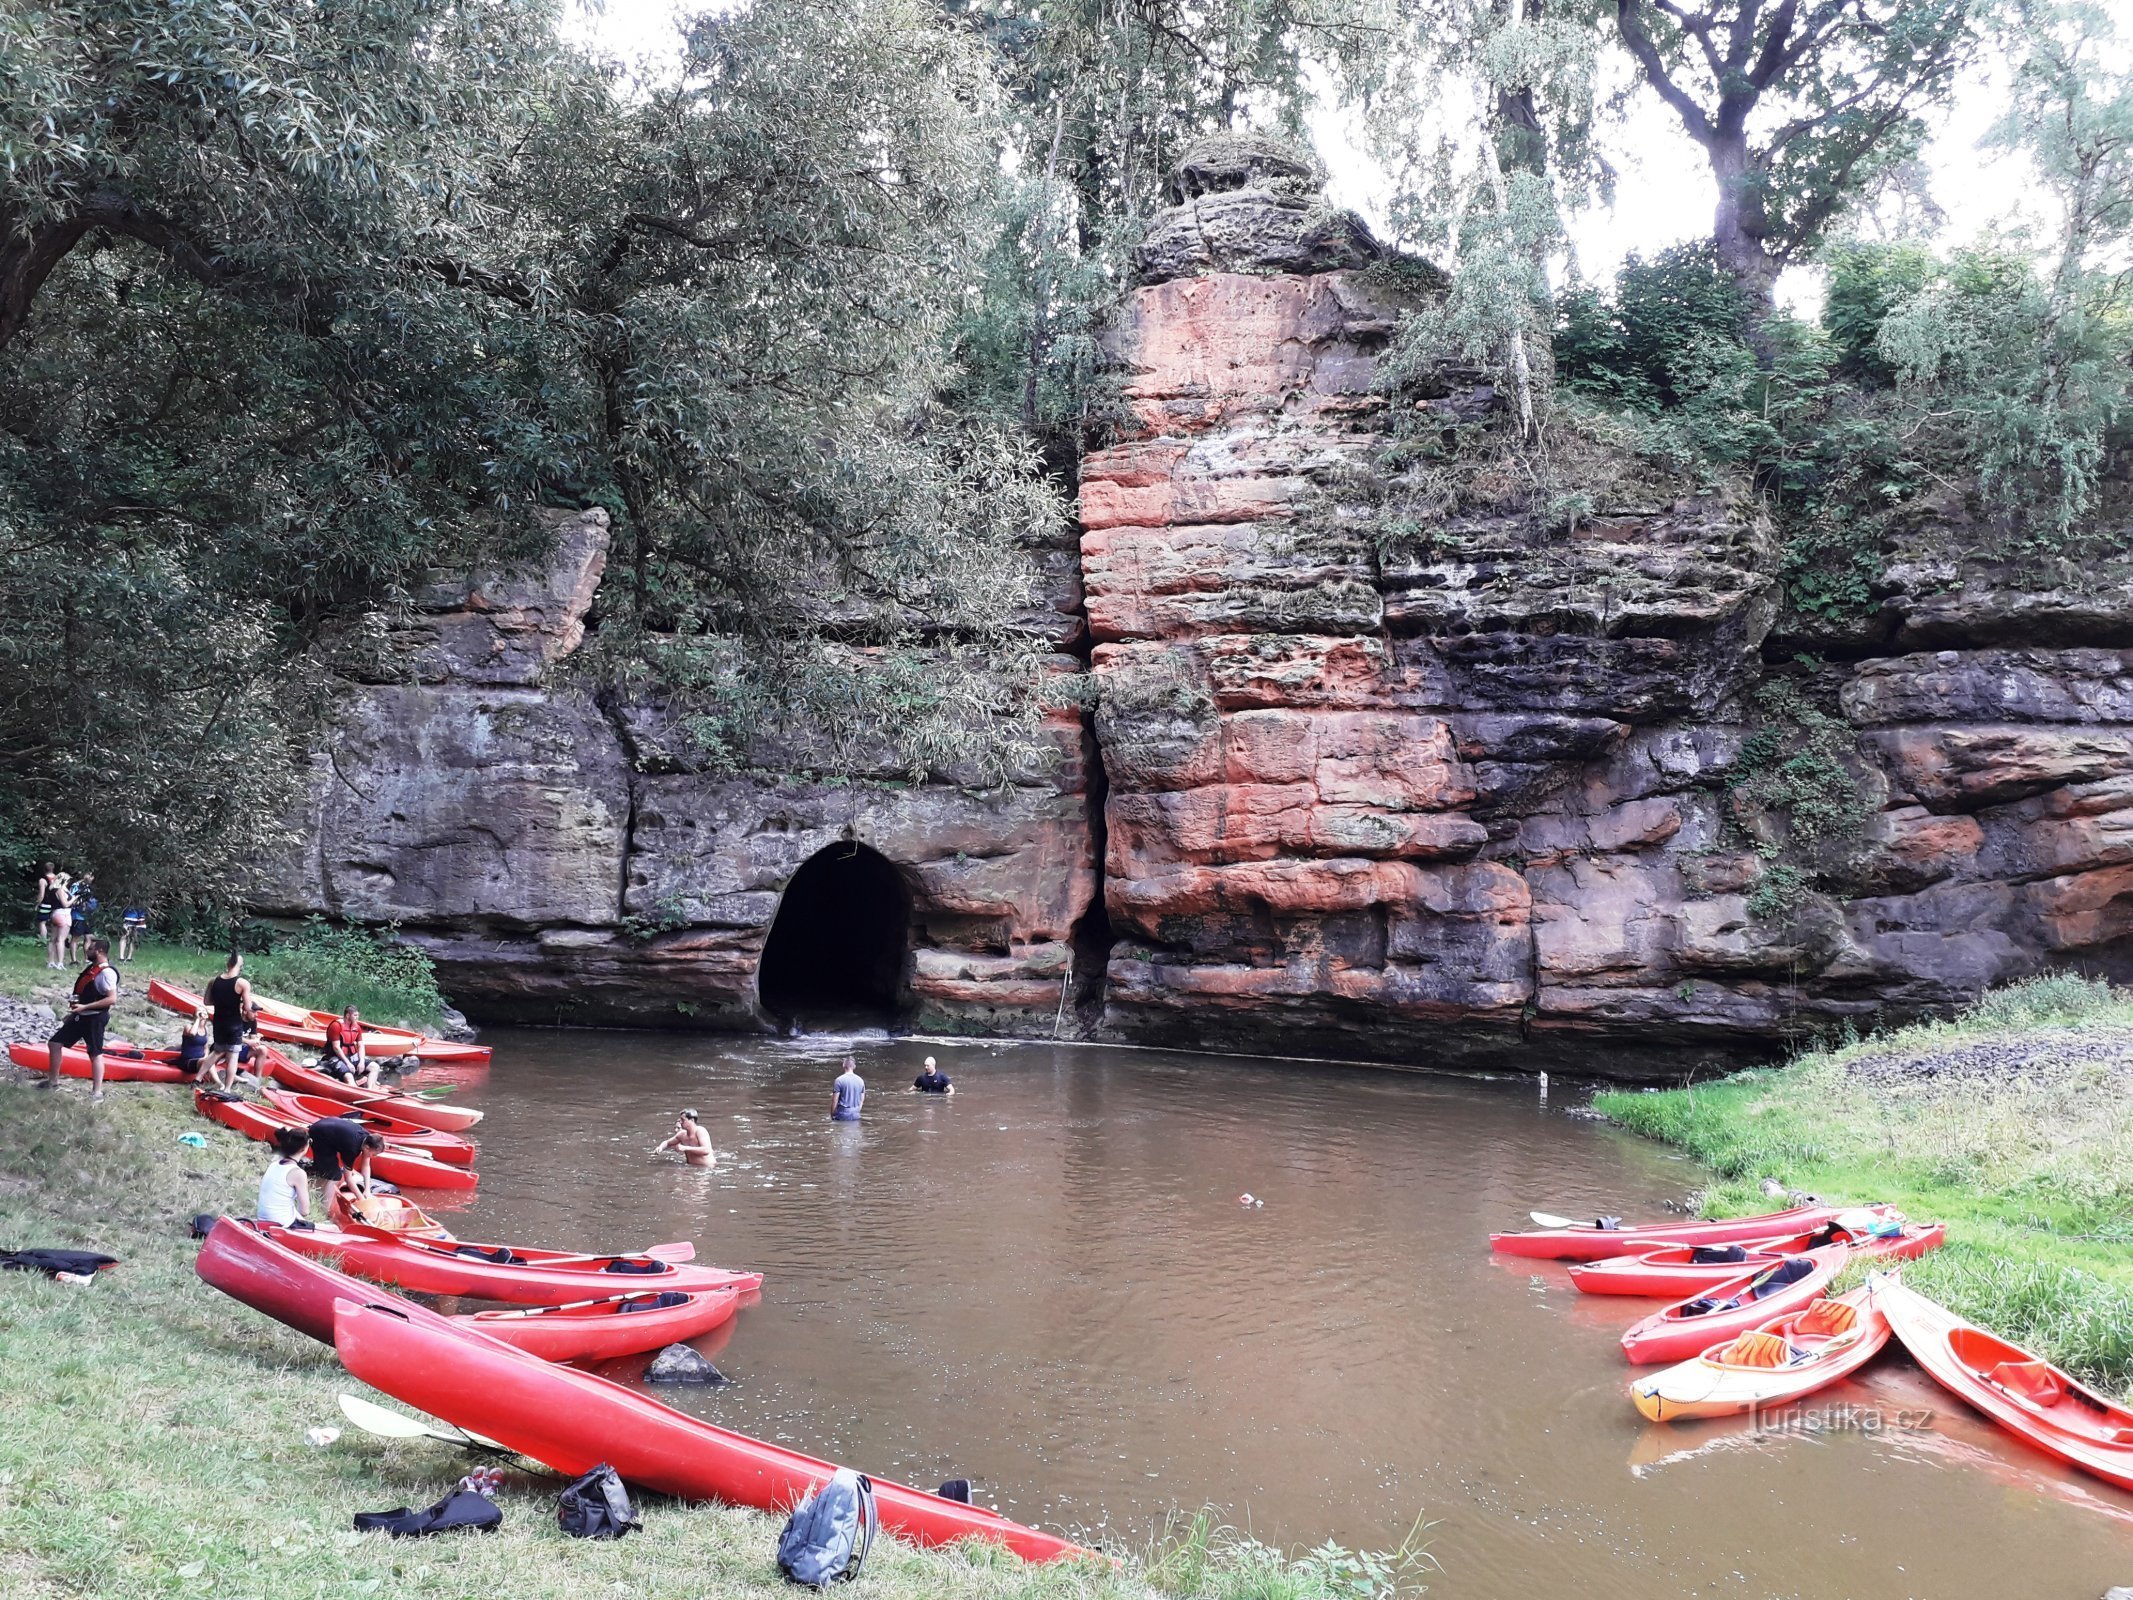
(1047, 1283)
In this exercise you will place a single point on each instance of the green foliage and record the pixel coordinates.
(1866, 282)
(1796, 795)
(1671, 324)
(1202, 1558)
(327, 967)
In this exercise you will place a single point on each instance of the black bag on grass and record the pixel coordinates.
(460, 1511)
(79, 1262)
(828, 1537)
(597, 1506)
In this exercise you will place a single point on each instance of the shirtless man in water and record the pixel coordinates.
(693, 1140)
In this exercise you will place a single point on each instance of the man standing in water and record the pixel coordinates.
(851, 1094)
(693, 1140)
(88, 1014)
(933, 1080)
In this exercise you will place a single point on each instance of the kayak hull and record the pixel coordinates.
(606, 1329)
(287, 1024)
(573, 1421)
(1674, 1333)
(2040, 1405)
(1597, 1244)
(245, 1261)
(539, 1278)
(122, 1063)
(446, 1147)
(1708, 1385)
(1671, 1272)
(411, 1169)
(407, 1107)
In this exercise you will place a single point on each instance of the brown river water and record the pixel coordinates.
(1047, 1284)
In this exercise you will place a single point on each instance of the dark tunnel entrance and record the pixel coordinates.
(835, 955)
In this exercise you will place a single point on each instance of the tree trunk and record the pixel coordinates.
(1740, 229)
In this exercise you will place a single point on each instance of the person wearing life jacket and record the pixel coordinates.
(229, 1000)
(692, 1139)
(88, 1014)
(345, 1056)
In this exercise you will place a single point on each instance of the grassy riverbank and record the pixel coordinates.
(2013, 1123)
(154, 1433)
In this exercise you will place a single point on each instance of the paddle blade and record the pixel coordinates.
(1547, 1219)
(679, 1250)
(389, 1424)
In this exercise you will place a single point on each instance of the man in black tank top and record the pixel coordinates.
(229, 1002)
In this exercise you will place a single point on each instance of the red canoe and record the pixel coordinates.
(411, 1169)
(572, 1421)
(528, 1278)
(601, 1330)
(1685, 1269)
(2029, 1397)
(1691, 1326)
(310, 1108)
(243, 1260)
(123, 1063)
(407, 1107)
(287, 1024)
(1590, 1242)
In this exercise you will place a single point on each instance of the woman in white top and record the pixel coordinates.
(283, 1194)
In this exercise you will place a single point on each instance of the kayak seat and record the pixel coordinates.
(2034, 1381)
(655, 1302)
(1791, 1270)
(625, 1264)
(1758, 1350)
(1712, 1255)
(501, 1255)
(1828, 1317)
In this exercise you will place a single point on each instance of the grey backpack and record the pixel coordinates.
(827, 1539)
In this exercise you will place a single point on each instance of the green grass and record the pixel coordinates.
(2031, 1166)
(153, 1436)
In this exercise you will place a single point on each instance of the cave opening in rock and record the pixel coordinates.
(838, 946)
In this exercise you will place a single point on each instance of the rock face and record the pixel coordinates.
(561, 866)
(1377, 776)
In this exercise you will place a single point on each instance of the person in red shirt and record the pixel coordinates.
(345, 1055)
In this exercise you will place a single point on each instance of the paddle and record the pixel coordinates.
(386, 1423)
(580, 1305)
(1546, 1219)
(679, 1250)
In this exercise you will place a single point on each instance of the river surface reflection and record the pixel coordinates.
(1047, 1284)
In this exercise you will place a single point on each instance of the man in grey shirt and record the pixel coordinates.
(851, 1091)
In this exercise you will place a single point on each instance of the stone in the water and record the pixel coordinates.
(677, 1363)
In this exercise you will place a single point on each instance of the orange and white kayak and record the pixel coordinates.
(288, 1024)
(1671, 1270)
(393, 1213)
(1772, 1364)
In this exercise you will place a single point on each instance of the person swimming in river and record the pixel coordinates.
(692, 1140)
(933, 1080)
(850, 1091)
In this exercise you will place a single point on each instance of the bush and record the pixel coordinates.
(1670, 322)
(328, 968)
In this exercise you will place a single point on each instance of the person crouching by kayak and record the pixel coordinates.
(346, 1058)
(283, 1194)
(192, 1043)
(341, 1152)
(229, 999)
(693, 1140)
(88, 1014)
(933, 1080)
(850, 1094)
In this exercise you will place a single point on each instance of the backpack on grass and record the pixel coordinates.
(596, 1506)
(828, 1537)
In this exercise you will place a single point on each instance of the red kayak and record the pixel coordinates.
(1684, 1269)
(572, 1421)
(511, 1273)
(310, 1108)
(243, 1260)
(407, 1107)
(2028, 1396)
(1739, 1306)
(287, 1024)
(411, 1169)
(123, 1063)
(601, 1330)
(1593, 1242)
